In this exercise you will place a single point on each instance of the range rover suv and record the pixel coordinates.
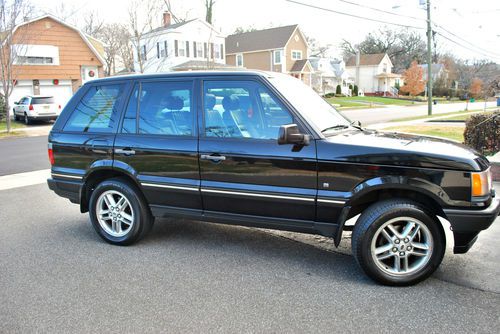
(262, 149)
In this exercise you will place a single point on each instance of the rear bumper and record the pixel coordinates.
(66, 188)
(467, 224)
(43, 118)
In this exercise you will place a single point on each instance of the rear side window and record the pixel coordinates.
(97, 111)
(163, 108)
(42, 100)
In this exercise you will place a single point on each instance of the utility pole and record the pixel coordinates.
(429, 59)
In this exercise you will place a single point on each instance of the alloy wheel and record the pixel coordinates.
(114, 213)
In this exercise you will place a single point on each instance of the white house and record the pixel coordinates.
(328, 73)
(187, 45)
(373, 73)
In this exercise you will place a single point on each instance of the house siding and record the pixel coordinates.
(231, 60)
(257, 60)
(73, 51)
(300, 44)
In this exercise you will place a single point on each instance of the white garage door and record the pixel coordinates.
(61, 93)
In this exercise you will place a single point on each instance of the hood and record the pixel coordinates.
(391, 148)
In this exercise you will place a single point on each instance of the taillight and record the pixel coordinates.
(30, 107)
(59, 106)
(51, 155)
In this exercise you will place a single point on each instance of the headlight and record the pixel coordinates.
(481, 183)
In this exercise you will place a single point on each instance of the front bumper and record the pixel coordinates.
(467, 224)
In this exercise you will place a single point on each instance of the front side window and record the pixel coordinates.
(163, 108)
(242, 109)
(97, 111)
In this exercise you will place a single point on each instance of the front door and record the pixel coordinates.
(158, 144)
(243, 169)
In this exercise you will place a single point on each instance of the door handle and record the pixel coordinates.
(213, 158)
(99, 146)
(125, 151)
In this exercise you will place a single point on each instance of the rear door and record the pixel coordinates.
(86, 139)
(158, 144)
(243, 169)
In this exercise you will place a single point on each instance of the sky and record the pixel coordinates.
(471, 25)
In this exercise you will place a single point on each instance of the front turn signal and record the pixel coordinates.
(481, 183)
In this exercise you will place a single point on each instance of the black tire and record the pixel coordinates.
(378, 215)
(142, 222)
(27, 120)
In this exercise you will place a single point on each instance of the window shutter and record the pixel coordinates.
(211, 50)
(176, 46)
(158, 50)
(194, 49)
(205, 55)
(145, 52)
(222, 51)
(187, 49)
(166, 49)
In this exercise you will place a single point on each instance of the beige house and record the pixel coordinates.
(51, 57)
(282, 49)
(373, 74)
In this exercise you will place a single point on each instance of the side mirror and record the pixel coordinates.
(290, 134)
(16, 102)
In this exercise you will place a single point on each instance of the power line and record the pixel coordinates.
(466, 41)
(381, 10)
(353, 15)
(465, 47)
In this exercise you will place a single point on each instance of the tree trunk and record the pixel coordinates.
(7, 117)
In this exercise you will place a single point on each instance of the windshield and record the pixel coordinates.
(309, 104)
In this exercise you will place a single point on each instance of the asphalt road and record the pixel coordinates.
(57, 276)
(387, 114)
(23, 155)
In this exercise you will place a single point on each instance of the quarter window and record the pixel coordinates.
(242, 109)
(97, 111)
(164, 109)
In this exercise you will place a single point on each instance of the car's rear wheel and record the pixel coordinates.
(398, 242)
(27, 120)
(119, 212)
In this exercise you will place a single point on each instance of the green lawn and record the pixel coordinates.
(13, 125)
(462, 117)
(448, 132)
(368, 101)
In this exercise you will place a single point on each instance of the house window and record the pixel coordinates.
(239, 60)
(296, 54)
(217, 51)
(35, 60)
(199, 50)
(182, 49)
(162, 49)
(385, 68)
(277, 57)
(143, 53)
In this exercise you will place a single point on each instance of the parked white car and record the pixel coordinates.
(36, 107)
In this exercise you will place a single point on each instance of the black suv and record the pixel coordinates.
(262, 149)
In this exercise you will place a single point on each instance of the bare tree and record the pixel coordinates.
(92, 24)
(175, 16)
(118, 51)
(209, 6)
(11, 13)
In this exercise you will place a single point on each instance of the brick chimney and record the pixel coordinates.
(167, 18)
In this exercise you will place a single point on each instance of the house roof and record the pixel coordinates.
(96, 46)
(170, 27)
(366, 59)
(267, 39)
(299, 65)
(434, 67)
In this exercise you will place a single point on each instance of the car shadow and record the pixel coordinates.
(242, 245)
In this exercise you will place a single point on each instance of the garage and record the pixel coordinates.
(61, 90)
(22, 88)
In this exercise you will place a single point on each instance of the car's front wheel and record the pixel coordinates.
(119, 212)
(398, 242)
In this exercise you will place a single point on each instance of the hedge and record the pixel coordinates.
(482, 132)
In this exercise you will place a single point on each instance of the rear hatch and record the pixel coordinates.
(45, 106)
